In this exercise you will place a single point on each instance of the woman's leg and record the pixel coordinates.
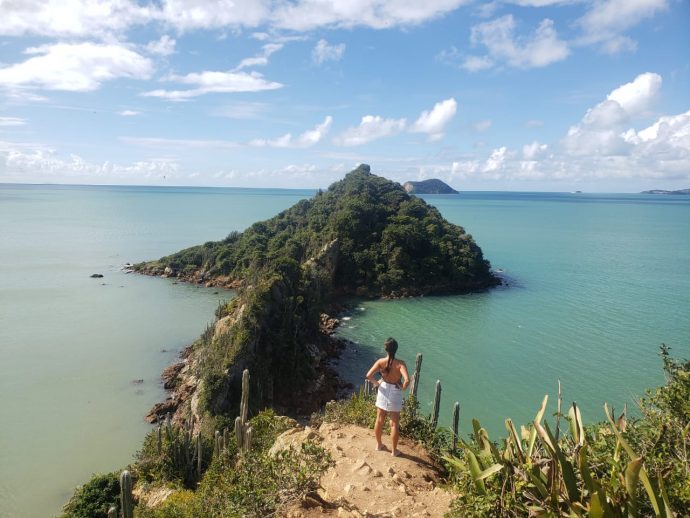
(395, 433)
(378, 427)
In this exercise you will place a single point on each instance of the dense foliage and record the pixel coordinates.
(93, 499)
(364, 235)
(389, 243)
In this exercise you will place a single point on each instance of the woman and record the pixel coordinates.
(394, 379)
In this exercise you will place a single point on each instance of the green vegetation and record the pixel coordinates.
(94, 498)
(234, 484)
(364, 235)
(611, 469)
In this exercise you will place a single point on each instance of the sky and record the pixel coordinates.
(517, 95)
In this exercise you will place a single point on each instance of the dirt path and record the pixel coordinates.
(369, 483)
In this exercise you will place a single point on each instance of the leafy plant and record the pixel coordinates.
(93, 499)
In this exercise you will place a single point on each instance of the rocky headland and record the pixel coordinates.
(365, 236)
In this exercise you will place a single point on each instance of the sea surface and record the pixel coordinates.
(594, 284)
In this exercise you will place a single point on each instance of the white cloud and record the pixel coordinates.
(12, 121)
(165, 46)
(606, 20)
(60, 18)
(303, 15)
(26, 162)
(477, 63)
(128, 113)
(323, 52)
(433, 122)
(496, 160)
(533, 150)
(306, 139)
(599, 131)
(538, 50)
(372, 127)
(215, 82)
(75, 67)
(260, 59)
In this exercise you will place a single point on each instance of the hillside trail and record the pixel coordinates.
(365, 482)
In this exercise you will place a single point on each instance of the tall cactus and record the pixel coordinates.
(126, 500)
(437, 404)
(415, 376)
(456, 418)
(242, 429)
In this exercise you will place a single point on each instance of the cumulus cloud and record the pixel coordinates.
(599, 131)
(606, 21)
(165, 46)
(215, 82)
(22, 162)
(306, 139)
(600, 147)
(372, 127)
(433, 122)
(76, 67)
(323, 52)
(498, 36)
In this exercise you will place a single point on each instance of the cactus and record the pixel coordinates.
(126, 501)
(242, 429)
(415, 376)
(437, 404)
(112, 512)
(199, 451)
(160, 437)
(456, 418)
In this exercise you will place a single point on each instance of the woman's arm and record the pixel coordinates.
(374, 369)
(403, 371)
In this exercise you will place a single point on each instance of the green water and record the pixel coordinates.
(596, 283)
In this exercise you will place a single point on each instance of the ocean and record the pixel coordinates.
(594, 284)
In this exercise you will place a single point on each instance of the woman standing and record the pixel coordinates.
(394, 379)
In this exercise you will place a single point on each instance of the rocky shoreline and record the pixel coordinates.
(183, 387)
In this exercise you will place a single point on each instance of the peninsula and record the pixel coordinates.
(364, 236)
(431, 186)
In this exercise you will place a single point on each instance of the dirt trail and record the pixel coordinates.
(369, 483)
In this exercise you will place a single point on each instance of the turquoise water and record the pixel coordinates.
(71, 346)
(596, 283)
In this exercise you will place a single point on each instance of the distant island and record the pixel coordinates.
(432, 186)
(662, 191)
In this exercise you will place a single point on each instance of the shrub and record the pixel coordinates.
(93, 499)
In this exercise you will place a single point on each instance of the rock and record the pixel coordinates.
(137, 382)
(293, 438)
(170, 375)
(96, 276)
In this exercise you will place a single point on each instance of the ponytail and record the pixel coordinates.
(391, 346)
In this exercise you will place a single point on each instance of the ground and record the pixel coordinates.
(369, 483)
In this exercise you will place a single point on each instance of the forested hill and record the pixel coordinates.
(364, 235)
(431, 186)
(388, 243)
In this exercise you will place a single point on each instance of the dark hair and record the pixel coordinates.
(391, 346)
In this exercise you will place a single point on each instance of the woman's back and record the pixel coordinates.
(394, 372)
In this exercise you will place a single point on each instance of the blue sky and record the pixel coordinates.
(528, 95)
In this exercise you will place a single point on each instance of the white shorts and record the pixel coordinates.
(389, 397)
